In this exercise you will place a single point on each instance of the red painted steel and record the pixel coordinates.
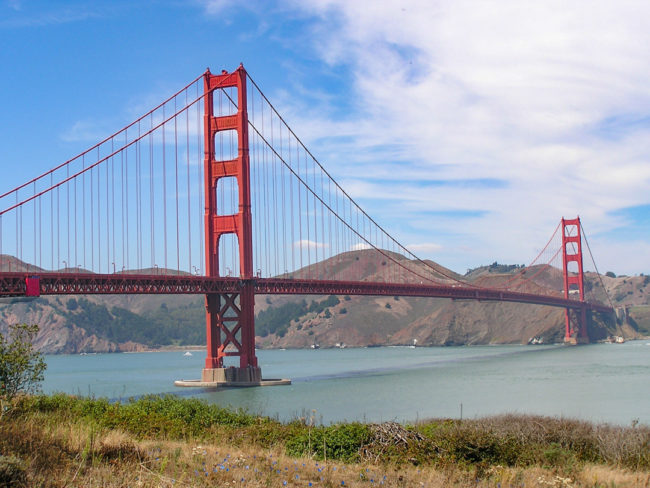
(228, 315)
(32, 286)
(576, 321)
(14, 284)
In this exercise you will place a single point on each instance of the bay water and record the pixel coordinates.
(598, 382)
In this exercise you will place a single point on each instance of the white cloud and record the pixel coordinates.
(360, 246)
(308, 244)
(84, 131)
(54, 16)
(527, 93)
(424, 248)
(214, 7)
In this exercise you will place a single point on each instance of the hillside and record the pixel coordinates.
(96, 323)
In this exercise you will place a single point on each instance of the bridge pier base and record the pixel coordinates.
(576, 326)
(226, 375)
(232, 377)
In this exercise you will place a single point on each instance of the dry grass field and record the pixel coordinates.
(63, 441)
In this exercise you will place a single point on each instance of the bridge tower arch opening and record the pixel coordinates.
(575, 331)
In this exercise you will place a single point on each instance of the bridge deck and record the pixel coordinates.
(14, 284)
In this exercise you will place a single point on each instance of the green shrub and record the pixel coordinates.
(21, 367)
(147, 416)
(339, 441)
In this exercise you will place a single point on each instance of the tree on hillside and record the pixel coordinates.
(21, 368)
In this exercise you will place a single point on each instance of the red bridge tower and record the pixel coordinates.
(230, 318)
(576, 319)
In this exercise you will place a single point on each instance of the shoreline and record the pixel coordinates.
(196, 347)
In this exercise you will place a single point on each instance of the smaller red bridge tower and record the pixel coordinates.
(576, 319)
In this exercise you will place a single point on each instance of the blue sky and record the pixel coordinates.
(466, 129)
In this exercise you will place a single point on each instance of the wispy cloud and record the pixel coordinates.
(308, 244)
(548, 98)
(39, 18)
(85, 131)
(214, 7)
(15, 4)
(427, 248)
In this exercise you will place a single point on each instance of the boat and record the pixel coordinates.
(187, 354)
(615, 340)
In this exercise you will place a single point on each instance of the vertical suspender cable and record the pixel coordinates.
(113, 203)
(299, 191)
(138, 200)
(307, 220)
(164, 190)
(126, 198)
(40, 235)
(284, 211)
(152, 202)
(51, 224)
(76, 239)
(322, 218)
(21, 232)
(187, 157)
(58, 228)
(265, 165)
(67, 223)
(122, 207)
(99, 226)
(178, 251)
(16, 234)
(293, 238)
(275, 201)
(34, 228)
(315, 218)
(199, 154)
(92, 221)
(330, 253)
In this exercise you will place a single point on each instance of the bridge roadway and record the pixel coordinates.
(15, 284)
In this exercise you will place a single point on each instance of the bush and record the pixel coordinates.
(147, 417)
(21, 368)
(339, 441)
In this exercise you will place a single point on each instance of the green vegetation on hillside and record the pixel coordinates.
(496, 268)
(181, 326)
(276, 320)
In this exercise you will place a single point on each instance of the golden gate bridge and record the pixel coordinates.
(211, 192)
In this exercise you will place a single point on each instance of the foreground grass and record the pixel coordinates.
(166, 441)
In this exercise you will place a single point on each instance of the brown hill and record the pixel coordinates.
(132, 322)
